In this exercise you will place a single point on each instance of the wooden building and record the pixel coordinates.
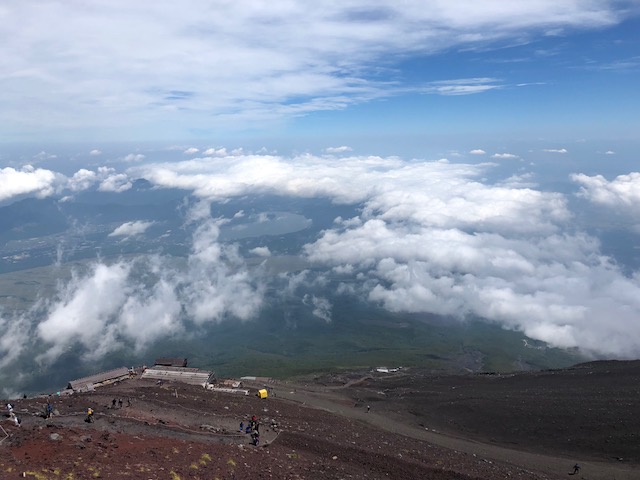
(191, 376)
(171, 362)
(89, 383)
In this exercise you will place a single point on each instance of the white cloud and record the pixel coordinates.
(342, 149)
(555, 150)
(44, 156)
(504, 156)
(28, 181)
(82, 179)
(95, 153)
(84, 317)
(14, 339)
(191, 151)
(112, 181)
(462, 86)
(428, 237)
(146, 88)
(213, 284)
(130, 229)
(622, 192)
(477, 151)
(321, 306)
(261, 251)
(215, 152)
(433, 237)
(609, 152)
(133, 157)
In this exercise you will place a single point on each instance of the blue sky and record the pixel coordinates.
(354, 71)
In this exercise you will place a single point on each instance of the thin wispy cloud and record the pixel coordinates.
(504, 156)
(464, 86)
(234, 63)
(342, 149)
(555, 150)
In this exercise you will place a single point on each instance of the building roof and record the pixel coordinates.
(111, 375)
(191, 376)
(171, 361)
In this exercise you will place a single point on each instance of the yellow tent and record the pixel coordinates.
(263, 393)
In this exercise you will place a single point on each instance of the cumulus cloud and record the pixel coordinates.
(609, 152)
(622, 192)
(213, 284)
(428, 236)
(80, 315)
(477, 151)
(261, 251)
(191, 151)
(82, 180)
(133, 157)
(504, 156)
(112, 181)
(434, 237)
(555, 150)
(130, 229)
(40, 183)
(28, 181)
(95, 153)
(217, 152)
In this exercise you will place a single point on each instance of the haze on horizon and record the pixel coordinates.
(488, 150)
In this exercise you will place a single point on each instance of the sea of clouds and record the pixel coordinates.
(431, 236)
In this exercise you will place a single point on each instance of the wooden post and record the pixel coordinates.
(6, 435)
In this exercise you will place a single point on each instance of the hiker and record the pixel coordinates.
(10, 408)
(255, 437)
(241, 426)
(113, 403)
(16, 420)
(89, 415)
(49, 409)
(128, 401)
(119, 403)
(576, 469)
(368, 408)
(248, 429)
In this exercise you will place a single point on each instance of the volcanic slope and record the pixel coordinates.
(319, 428)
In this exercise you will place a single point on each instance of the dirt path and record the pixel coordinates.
(554, 467)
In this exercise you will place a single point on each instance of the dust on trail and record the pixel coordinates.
(328, 399)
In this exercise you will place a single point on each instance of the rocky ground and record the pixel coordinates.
(420, 426)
